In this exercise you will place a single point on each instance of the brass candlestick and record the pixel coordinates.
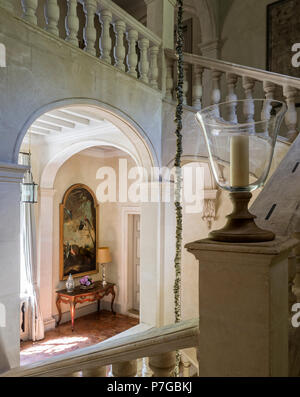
(240, 226)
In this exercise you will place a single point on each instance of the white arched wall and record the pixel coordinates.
(133, 131)
(54, 157)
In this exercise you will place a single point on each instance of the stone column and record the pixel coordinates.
(160, 20)
(124, 369)
(209, 49)
(243, 307)
(45, 255)
(10, 178)
(163, 364)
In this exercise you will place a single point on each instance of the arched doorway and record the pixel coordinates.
(59, 135)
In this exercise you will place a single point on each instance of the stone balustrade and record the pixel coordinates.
(121, 353)
(118, 39)
(123, 41)
(227, 80)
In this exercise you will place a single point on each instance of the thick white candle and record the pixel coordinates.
(239, 161)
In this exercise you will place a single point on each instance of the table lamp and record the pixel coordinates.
(241, 134)
(104, 257)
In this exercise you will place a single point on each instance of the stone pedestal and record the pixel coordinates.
(243, 307)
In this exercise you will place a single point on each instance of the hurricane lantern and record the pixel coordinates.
(242, 135)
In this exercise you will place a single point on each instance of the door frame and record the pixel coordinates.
(126, 282)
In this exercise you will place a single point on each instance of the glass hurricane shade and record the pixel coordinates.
(241, 134)
(104, 255)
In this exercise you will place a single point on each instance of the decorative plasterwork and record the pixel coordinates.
(209, 187)
(209, 206)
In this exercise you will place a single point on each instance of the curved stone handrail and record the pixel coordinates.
(120, 349)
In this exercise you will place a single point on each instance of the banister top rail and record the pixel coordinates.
(121, 14)
(150, 342)
(228, 67)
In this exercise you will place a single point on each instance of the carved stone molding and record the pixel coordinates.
(209, 206)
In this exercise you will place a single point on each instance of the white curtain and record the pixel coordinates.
(28, 266)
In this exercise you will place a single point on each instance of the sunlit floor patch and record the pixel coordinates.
(89, 330)
(54, 345)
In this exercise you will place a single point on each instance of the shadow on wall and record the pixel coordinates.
(4, 362)
(223, 9)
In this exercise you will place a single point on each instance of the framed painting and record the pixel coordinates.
(78, 232)
(283, 30)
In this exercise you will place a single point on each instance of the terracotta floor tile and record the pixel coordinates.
(89, 330)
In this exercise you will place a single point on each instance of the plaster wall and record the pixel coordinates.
(243, 31)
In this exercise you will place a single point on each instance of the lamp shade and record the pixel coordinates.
(104, 255)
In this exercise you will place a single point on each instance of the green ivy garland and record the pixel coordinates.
(178, 170)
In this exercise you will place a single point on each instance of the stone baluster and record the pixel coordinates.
(125, 369)
(231, 80)
(119, 50)
(290, 94)
(216, 90)
(144, 63)
(154, 66)
(163, 364)
(248, 85)
(29, 10)
(186, 367)
(197, 86)
(90, 33)
(269, 89)
(72, 23)
(52, 16)
(132, 58)
(185, 87)
(105, 40)
(169, 79)
(146, 371)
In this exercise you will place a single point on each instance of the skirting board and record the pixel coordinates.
(49, 323)
(87, 309)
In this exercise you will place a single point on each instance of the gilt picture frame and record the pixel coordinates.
(78, 232)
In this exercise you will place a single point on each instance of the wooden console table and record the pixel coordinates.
(80, 296)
